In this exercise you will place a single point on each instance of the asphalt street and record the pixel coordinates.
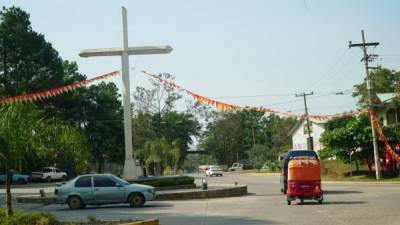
(345, 203)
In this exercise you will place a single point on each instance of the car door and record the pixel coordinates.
(106, 190)
(58, 174)
(84, 187)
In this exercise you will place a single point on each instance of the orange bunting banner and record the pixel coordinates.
(55, 91)
(229, 107)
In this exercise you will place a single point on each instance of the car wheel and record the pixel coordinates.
(136, 200)
(21, 181)
(74, 202)
(64, 178)
(48, 179)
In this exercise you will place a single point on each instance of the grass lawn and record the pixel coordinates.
(336, 170)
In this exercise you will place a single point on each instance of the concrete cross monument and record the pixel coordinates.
(131, 170)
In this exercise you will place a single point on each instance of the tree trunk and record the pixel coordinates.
(369, 165)
(357, 168)
(9, 210)
(100, 166)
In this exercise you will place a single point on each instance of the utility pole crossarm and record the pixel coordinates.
(362, 44)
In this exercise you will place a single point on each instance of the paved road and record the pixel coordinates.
(345, 203)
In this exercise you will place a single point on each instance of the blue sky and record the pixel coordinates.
(232, 48)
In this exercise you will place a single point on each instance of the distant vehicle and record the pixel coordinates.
(49, 174)
(289, 156)
(99, 189)
(203, 168)
(236, 167)
(214, 171)
(16, 177)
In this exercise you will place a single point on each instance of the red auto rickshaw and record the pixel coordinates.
(304, 180)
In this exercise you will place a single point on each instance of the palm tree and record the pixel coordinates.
(23, 133)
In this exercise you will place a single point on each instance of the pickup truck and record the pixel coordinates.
(49, 174)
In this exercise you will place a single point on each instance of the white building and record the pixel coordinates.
(299, 133)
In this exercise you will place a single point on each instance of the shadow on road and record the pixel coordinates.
(125, 206)
(333, 203)
(255, 194)
(339, 192)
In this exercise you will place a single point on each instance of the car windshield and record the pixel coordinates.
(124, 182)
(215, 168)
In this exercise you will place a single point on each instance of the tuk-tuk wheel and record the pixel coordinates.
(289, 202)
(320, 201)
(301, 201)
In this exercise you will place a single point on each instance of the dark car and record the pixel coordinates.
(290, 155)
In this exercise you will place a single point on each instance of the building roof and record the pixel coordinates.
(386, 97)
(300, 122)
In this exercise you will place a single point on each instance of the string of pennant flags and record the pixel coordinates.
(55, 91)
(211, 102)
(230, 107)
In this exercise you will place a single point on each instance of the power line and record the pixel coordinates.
(329, 70)
(274, 95)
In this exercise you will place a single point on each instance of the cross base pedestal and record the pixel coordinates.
(131, 170)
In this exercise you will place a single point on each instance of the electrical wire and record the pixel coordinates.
(338, 60)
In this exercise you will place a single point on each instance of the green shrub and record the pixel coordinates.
(27, 218)
(167, 181)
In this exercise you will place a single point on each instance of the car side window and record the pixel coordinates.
(104, 182)
(84, 182)
(47, 170)
(58, 171)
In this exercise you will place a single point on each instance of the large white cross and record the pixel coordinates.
(131, 170)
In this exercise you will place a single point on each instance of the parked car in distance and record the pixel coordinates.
(16, 177)
(214, 170)
(236, 167)
(49, 174)
(99, 189)
(289, 156)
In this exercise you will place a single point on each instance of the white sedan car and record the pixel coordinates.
(214, 171)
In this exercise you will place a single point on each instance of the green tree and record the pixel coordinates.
(383, 81)
(258, 155)
(21, 135)
(28, 62)
(354, 139)
(223, 139)
(63, 144)
(103, 123)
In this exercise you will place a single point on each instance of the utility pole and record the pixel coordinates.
(310, 144)
(366, 59)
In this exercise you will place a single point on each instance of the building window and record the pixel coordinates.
(305, 129)
(391, 117)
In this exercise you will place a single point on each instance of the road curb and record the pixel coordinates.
(219, 192)
(183, 194)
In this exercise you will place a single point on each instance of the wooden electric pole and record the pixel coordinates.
(366, 59)
(310, 143)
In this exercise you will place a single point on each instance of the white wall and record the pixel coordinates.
(299, 139)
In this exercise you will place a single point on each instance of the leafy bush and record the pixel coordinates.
(166, 181)
(27, 218)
